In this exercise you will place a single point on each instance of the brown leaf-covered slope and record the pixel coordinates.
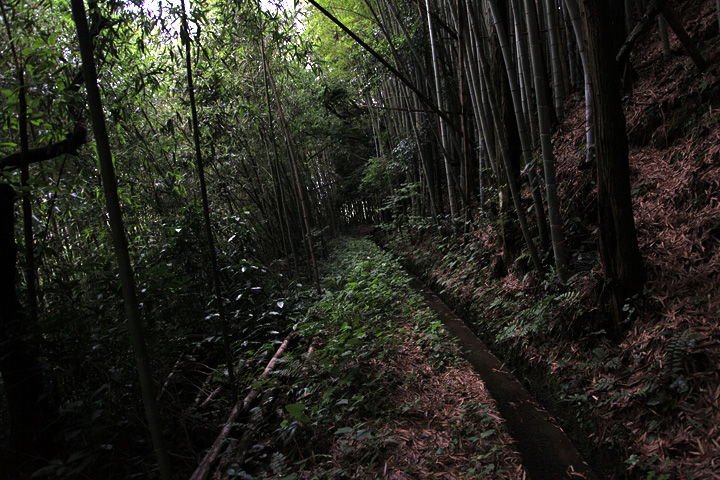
(652, 396)
(663, 406)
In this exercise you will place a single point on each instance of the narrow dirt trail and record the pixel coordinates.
(547, 453)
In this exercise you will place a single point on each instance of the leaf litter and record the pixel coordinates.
(443, 426)
(650, 401)
(407, 406)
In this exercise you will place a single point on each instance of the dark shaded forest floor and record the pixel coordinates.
(645, 405)
(648, 402)
(547, 453)
(373, 388)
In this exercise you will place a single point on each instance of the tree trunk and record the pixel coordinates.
(664, 39)
(30, 269)
(463, 113)
(298, 184)
(452, 200)
(543, 108)
(574, 14)
(120, 244)
(557, 75)
(30, 408)
(524, 72)
(424, 164)
(619, 252)
(684, 38)
(500, 28)
(628, 17)
(185, 35)
(506, 167)
(572, 51)
(31, 411)
(423, 98)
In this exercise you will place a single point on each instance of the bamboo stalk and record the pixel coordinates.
(543, 108)
(293, 160)
(120, 243)
(501, 32)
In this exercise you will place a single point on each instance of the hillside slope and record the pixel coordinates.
(648, 402)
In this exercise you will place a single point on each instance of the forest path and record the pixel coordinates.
(547, 453)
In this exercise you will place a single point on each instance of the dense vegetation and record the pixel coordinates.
(552, 166)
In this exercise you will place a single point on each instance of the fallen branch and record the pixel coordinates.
(641, 27)
(70, 145)
(211, 397)
(203, 470)
(257, 413)
(169, 377)
(203, 392)
(682, 35)
(659, 7)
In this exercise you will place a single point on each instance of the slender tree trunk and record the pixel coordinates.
(298, 183)
(628, 17)
(524, 72)
(563, 46)
(690, 47)
(484, 132)
(500, 133)
(423, 162)
(209, 239)
(484, 119)
(30, 410)
(522, 125)
(619, 252)
(571, 49)
(120, 244)
(543, 107)
(555, 62)
(423, 98)
(452, 200)
(653, 8)
(30, 268)
(463, 112)
(664, 39)
(574, 14)
(514, 190)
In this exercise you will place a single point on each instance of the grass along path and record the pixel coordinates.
(375, 389)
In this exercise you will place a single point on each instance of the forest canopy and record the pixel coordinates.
(174, 173)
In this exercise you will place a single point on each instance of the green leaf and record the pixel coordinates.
(297, 411)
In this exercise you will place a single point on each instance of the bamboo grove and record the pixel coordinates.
(463, 98)
(239, 138)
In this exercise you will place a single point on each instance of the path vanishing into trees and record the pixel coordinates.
(406, 399)
(180, 290)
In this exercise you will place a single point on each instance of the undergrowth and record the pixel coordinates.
(619, 399)
(340, 398)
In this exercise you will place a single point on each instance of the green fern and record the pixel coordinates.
(570, 297)
(678, 347)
